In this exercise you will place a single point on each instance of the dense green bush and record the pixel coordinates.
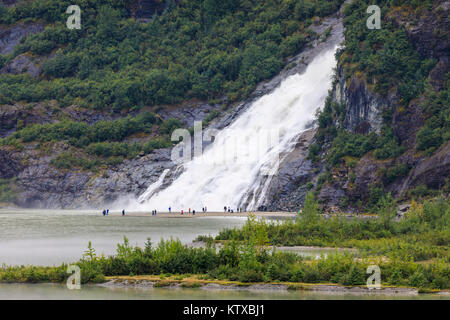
(391, 174)
(61, 66)
(348, 144)
(437, 113)
(81, 134)
(67, 160)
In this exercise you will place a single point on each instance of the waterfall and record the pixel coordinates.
(154, 187)
(229, 172)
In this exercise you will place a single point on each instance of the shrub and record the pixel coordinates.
(61, 65)
(418, 280)
(396, 277)
(393, 173)
(355, 276)
(250, 275)
(428, 138)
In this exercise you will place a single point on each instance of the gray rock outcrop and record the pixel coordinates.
(11, 36)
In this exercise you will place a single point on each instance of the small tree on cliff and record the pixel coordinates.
(311, 210)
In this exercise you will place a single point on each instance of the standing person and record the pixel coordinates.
(225, 209)
(107, 212)
(170, 209)
(104, 212)
(123, 212)
(193, 212)
(189, 210)
(181, 211)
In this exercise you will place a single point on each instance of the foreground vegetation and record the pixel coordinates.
(411, 252)
(422, 235)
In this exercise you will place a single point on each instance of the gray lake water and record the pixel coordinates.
(48, 291)
(50, 237)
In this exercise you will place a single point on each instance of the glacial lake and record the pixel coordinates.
(50, 237)
(48, 291)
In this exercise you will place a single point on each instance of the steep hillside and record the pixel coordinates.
(86, 114)
(385, 128)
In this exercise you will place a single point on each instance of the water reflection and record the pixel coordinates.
(92, 292)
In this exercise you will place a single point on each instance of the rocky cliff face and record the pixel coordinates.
(363, 114)
(10, 37)
(364, 108)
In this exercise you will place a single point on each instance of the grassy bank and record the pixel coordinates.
(170, 260)
(423, 234)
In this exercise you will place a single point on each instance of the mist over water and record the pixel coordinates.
(237, 168)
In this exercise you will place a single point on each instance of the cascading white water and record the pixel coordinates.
(218, 177)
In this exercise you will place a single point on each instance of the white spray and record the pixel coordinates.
(224, 175)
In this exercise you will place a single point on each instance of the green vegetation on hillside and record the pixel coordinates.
(436, 108)
(195, 49)
(103, 138)
(388, 62)
(384, 55)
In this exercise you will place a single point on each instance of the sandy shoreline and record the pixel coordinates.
(212, 214)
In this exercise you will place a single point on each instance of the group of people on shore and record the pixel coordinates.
(106, 212)
(204, 210)
(225, 209)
